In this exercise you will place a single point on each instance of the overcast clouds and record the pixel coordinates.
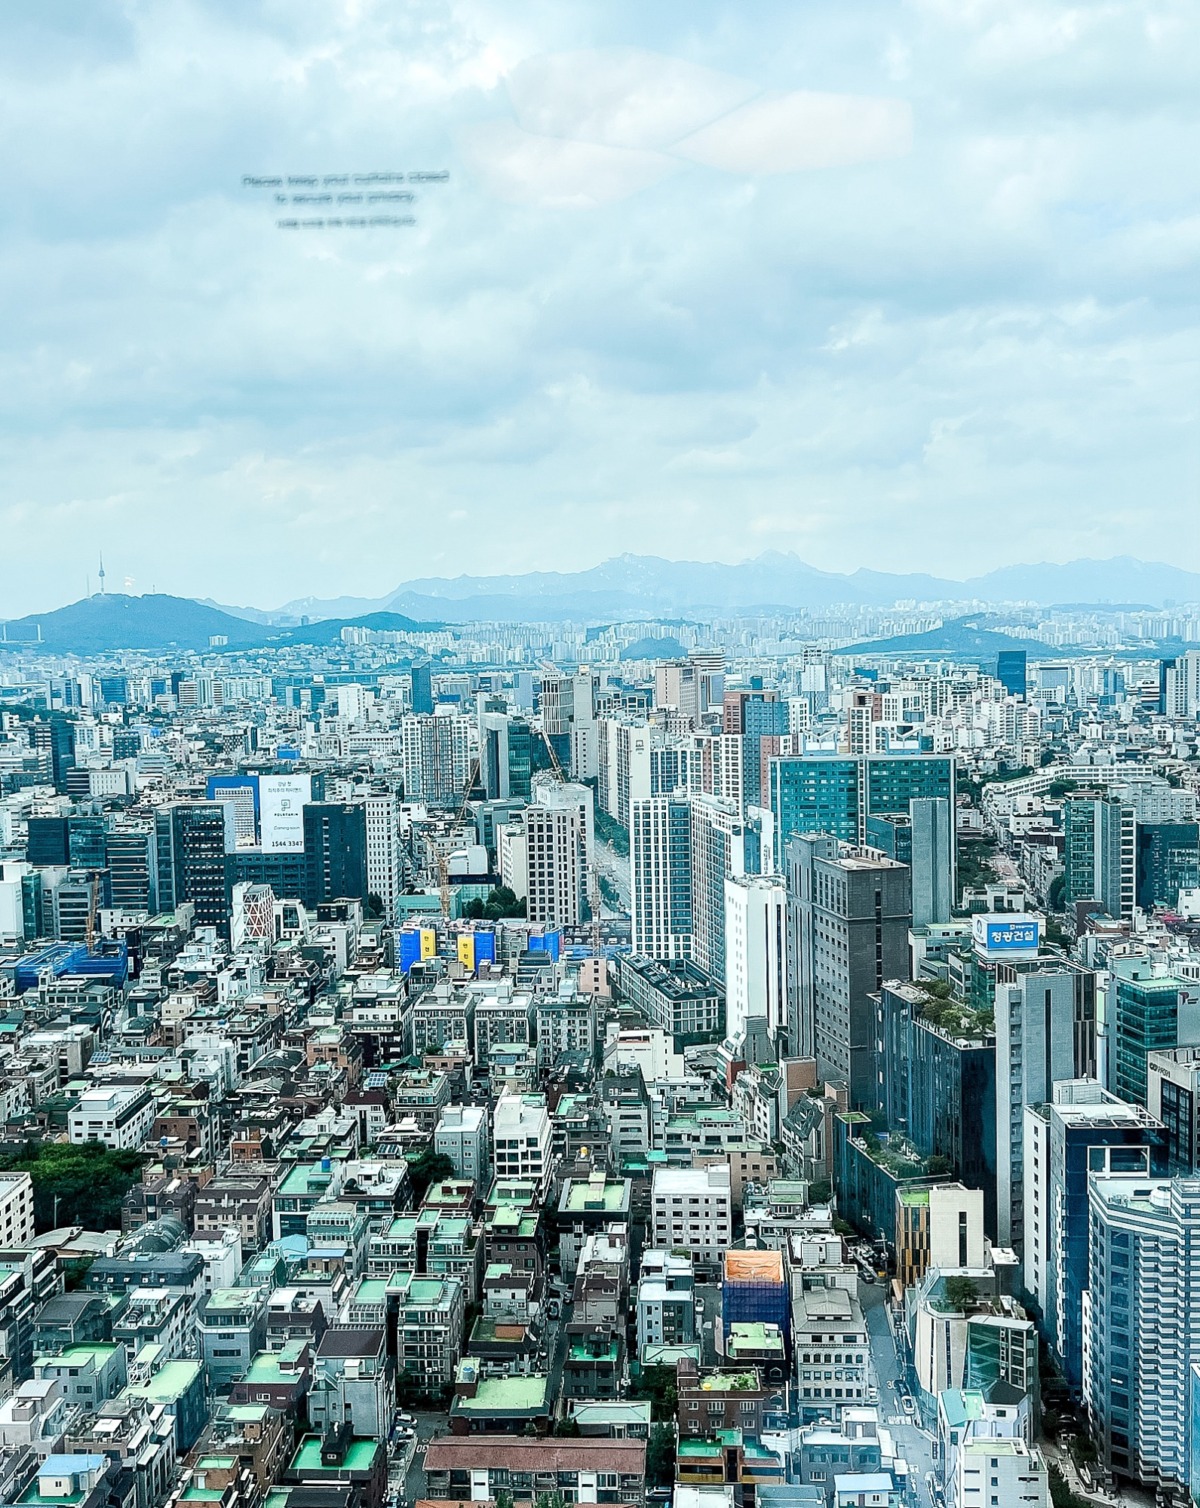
(908, 285)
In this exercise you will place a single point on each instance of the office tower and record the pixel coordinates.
(555, 864)
(1011, 671)
(383, 851)
(1148, 1010)
(849, 911)
(132, 862)
(718, 851)
(505, 753)
(56, 741)
(1142, 1312)
(193, 840)
(85, 841)
(756, 957)
(437, 758)
(933, 859)
(1173, 1097)
(1168, 861)
(422, 690)
(1099, 854)
(1083, 1130)
(660, 876)
(938, 1086)
(75, 897)
(48, 841)
(837, 793)
(1045, 1032)
(335, 852)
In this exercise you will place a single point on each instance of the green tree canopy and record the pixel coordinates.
(77, 1185)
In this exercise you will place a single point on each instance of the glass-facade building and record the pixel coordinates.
(838, 794)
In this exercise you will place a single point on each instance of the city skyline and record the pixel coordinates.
(894, 289)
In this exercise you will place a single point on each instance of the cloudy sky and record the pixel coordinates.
(909, 285)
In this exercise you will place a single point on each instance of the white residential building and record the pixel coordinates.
(16, 1209)
(693, 1210)
(660, 872)
(1141, 1327)
(116, 1115)
(556, 849)
(383, 850)
(1007, 1472)
(521, 1137)
(755, 953)
(462, 1136)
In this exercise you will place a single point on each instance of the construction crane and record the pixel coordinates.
(443, 863)
(93, 905)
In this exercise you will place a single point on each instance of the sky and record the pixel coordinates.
(910, 286)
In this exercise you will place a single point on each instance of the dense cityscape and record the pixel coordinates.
(739, 1063)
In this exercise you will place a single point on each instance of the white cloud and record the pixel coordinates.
(726, 352)
(523, 168)
(796, 132)
(621, 97)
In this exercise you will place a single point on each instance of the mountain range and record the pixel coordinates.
(646, 586)
(627, 587)
(96, 625)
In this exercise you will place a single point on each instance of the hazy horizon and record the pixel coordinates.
(909, 289)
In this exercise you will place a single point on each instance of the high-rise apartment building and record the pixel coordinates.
(1083, 1130)
(555, 864)
(437, 757)
(718, 851)
(660, 874)
(1141, 1319)
(383, 850)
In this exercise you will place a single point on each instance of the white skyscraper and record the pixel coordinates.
(755, 953)
(660, 873)
(383, 850)
(1141, 1327)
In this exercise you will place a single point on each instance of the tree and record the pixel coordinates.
(961, 1293)
(77, 1185)
(658, 1384)
(820, 1192)
(568, 1427)
(938, 1166)
(427, 1168)
(1057, 892)
(660, 1455)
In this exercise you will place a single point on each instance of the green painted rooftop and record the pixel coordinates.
(504, 1395)
(360, 1456)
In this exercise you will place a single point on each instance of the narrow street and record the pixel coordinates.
(913, 1442)
(616, 868)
